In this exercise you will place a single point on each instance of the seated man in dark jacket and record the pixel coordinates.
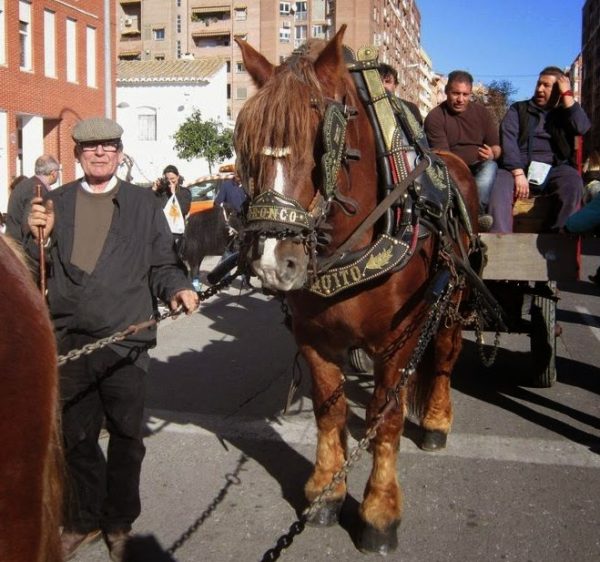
(537, 139)
(110, 251)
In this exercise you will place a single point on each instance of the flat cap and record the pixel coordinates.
(96, 129)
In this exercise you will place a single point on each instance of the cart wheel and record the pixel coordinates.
(360, 361)
(543, 340)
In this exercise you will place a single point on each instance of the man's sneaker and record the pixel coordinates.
(72, 542)
(485, 223)
(116, 544)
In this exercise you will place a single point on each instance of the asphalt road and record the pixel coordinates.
(224, 470)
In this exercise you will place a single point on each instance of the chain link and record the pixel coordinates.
(135, 328)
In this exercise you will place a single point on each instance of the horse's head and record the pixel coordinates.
(279, 146)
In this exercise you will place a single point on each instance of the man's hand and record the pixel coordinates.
(521, 187)
(564, 86)
(186, 298)
(485, 152)
(41, 215)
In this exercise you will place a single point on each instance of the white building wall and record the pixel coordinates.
(173, 103)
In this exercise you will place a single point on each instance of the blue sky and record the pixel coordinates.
(501, 39)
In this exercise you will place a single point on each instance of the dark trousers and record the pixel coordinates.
(101, 493)
(563, 182)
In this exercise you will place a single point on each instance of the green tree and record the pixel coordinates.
(497, 97)
(209, 139)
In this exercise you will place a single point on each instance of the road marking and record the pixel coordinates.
(300, 430)
(586, 317)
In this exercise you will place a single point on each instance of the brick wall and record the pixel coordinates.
(59, 102)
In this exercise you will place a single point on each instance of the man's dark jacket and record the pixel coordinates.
(136, 262)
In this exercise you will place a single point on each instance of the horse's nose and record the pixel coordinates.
(290, 267)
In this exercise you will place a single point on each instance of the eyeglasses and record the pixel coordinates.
(107, 146)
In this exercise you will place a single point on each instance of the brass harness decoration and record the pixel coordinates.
(423, 201)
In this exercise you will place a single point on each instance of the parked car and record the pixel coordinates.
(205, 189)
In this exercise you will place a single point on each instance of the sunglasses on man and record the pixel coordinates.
(107, 146)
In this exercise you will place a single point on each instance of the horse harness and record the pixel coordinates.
(415, 200)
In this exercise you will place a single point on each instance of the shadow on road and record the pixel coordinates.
(505, 385)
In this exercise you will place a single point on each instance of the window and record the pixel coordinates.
(158, 34)
(147, 124)
(284, 35)
(2, 36)
(159, 56)
(71, 50)
(284, 8)
(178, 23)
(228, 66)
(239, 67)
(178, 48)
(241, 93)
(319, 31)
(49, 44)
(90, 56)
(301, 10)
(241, 14)
(300, 35)
(25, 35)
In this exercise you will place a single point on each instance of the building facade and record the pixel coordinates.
(153, 99)
(590, 80)
(171, 29)
(56, 67)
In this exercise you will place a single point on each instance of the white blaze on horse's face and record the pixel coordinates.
(280, 267)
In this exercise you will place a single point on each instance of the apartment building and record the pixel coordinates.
(170, 29)
(590, 82)
(56, 67)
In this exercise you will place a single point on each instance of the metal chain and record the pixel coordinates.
(135, 328)
(489, 360)
(436, 313)
(233, 479)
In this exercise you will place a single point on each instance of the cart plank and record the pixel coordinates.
(531, 257)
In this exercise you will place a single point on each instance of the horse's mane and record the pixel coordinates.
(282, 113)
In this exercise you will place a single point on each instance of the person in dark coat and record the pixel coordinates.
(46, 170)
(537, 138)
(389, 77)
(111, 251)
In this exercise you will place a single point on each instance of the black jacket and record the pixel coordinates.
(19, 205)
(136, 262)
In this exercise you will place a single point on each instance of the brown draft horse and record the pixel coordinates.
(278, 146)
(30, 468)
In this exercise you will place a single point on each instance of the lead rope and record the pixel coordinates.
(135, 328)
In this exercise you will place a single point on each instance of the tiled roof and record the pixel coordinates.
(180, 70)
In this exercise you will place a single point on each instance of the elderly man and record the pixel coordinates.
(537, 138)
(111, 251)
(46, 175)
(466, 129)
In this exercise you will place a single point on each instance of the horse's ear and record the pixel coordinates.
(259, 68)
(330, 65)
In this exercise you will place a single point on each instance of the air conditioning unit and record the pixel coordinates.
(128, 22)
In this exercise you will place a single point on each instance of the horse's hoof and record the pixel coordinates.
(434, 440)
(379, 542)
(326, 516)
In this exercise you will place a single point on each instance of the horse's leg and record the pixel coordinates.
(331, 411)
(436, 413)
(381, 509)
